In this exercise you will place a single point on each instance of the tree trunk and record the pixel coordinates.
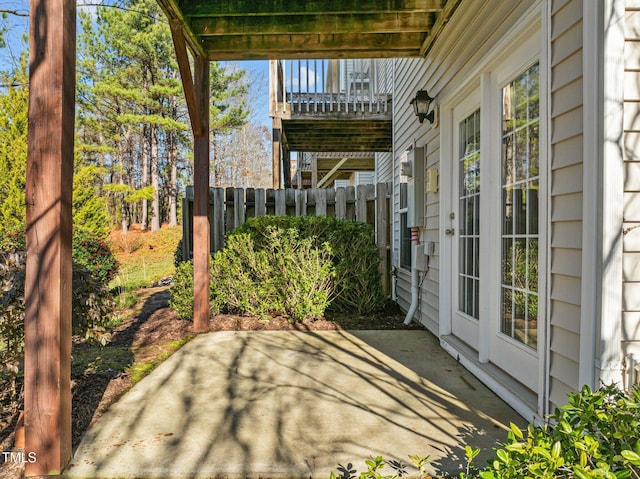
(145, 177)
(123, 181)
(155, 181)
(173, 181)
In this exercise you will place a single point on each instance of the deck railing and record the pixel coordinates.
(317, 86)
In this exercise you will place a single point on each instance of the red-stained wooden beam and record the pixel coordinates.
(47, 376)
(201, 225)
(179, 43)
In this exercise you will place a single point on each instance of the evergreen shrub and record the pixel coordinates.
(288, 275)
(93, 253)
(89, 251)
(91, 307)
(357, 285)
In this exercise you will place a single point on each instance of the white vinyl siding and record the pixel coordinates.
(384, 167)
(469, 37)
(566, 92)
(631, 227)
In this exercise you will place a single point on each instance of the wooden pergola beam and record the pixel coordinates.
(362, 23)
(177, 33)
(47, 368)
(195, 8)
(322, 45)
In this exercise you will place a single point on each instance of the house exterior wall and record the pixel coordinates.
(566, 190)
(445, 70)
(591, 312)
(448, 70)
(631, 226)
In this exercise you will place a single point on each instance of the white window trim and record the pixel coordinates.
(603, 190)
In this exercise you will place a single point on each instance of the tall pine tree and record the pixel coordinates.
(133, 116)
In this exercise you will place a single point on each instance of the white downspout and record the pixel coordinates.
(415, 244)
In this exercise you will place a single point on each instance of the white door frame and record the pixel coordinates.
(533, 27)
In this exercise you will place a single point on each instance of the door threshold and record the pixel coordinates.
(522, 399)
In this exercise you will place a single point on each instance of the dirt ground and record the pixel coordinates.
(147, 334)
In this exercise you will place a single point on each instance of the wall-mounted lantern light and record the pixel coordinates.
(421, 104)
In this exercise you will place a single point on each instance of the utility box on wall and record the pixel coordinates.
(413, 169)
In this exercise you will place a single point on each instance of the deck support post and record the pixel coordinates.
(47, 369)
(196, 91)
(277, 150)
(201, 226)
(286, 166)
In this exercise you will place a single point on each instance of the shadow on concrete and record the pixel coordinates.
(90, 386)
(294, 404)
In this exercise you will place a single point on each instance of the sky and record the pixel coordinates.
(257, 71)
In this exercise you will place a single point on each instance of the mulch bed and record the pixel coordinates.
(154, 323)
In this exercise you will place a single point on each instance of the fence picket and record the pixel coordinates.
(281, 205)
(230, 207)
(261, 202)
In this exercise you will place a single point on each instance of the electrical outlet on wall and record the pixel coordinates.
(432, 180)
(429, 248)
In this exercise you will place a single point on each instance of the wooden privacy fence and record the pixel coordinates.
(230, 207)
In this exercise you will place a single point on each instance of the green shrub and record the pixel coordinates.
(12, 273)
(181, 300)
(302, 273)
(91, 252)
(594, 436)
(91, 307)
(243, 279)
(357, 284)
(177, 254)
(288, 275)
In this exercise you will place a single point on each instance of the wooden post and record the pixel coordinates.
(350, 193)
(341, 203)
(301, 199)
(281, 205)
(250, 203)
(238, 202)
(382, 219)
(47, 368)
(314, 171)
(321, 202)
(201, 225)
(229, 205)
(277, 151)
(290, 201)
(286, 164)
(187, 232)
(218, 219)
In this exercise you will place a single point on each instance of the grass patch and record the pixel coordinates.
(97, 359)
(144, 257)
(139, 370)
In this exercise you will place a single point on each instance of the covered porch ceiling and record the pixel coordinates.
(278, 29)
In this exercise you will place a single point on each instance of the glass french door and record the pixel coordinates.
(515, 343)
(494, 280)
(467, 242)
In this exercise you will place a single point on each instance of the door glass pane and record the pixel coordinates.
(520, 180)
(469, 214)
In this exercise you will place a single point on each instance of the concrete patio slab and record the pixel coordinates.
(294, 405)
